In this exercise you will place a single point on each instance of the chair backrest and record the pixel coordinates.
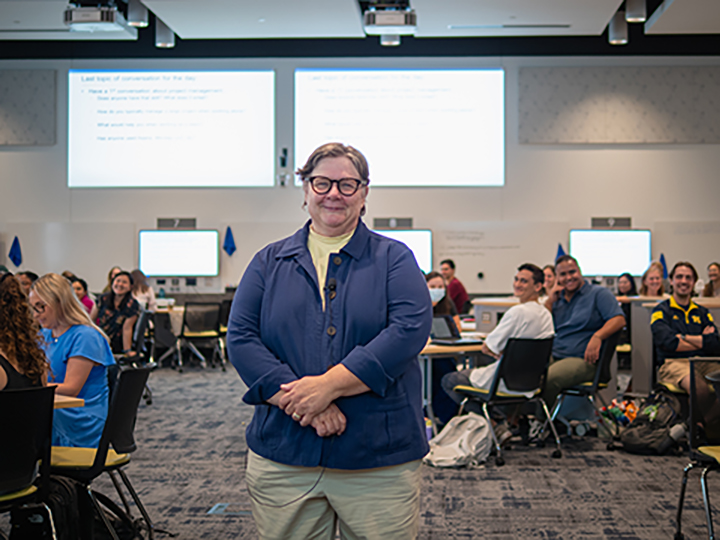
(607, 350)
(524, 364)
(141, 326)
(26, 435)
(120, 424)
(201, 317)
(225, 307)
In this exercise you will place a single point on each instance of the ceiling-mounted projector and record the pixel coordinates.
(384, 22)
(95, 19)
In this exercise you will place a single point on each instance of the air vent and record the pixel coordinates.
(177, 223)
(611, 223)
(393, 223)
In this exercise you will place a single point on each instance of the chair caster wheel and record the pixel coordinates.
(148, 402)
(499, 461)
(679, 536)
(556, 454)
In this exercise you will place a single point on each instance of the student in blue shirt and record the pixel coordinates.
(584, 315)
(79, 354)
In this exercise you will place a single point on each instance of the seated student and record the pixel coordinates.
(712, 287)
(652, 281)
(681, 329)
(80, 287)
(116, 312)
(142, 292)
(626, 289)
(22, 360)
(549, 283)
(528, 319)
(456, 290)
(584, 315)
(443, 407)
(79, 355)
(26, 279)
(114, 271)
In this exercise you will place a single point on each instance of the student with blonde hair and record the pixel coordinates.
(79, 354)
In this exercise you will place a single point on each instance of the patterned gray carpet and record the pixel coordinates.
(192, 452)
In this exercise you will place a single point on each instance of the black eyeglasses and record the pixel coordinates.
(38, 307)
(346, 186)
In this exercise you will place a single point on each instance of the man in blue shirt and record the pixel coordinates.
(584, 315)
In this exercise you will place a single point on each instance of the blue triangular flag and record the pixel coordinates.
(15, 252)
(664, 265)
(229, 244)
(560, 251)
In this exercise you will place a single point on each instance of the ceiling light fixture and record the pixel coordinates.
(137, 14)
(635, 11)
(390, 40)
(618, 29)
(390, 24)
(164, 36)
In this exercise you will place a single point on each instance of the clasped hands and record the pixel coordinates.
(310, 401)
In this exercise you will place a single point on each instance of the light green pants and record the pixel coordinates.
(290, 502)
(565, 373)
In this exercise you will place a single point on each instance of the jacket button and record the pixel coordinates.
(337, 260)
(331, 331)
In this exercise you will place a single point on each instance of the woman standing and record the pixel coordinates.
(22, 360)
(325, 330)
(116, 312)
(79, 355)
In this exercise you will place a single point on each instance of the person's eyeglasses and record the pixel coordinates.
(346, 186)
(38, 307)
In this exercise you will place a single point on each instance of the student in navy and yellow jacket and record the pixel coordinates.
(682, 329)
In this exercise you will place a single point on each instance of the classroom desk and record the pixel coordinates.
(67, 402)
(461, 353)
(489, 311)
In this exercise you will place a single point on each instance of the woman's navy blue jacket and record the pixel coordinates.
(375, 324)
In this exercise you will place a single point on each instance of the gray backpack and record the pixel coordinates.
(464, 441)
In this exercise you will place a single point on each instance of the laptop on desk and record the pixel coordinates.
(444, 332)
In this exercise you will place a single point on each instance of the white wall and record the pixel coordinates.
(547, 187)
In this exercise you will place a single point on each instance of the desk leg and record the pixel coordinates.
(427, 390)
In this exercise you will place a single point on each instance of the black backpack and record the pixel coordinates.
(31, 522)
(658, 426)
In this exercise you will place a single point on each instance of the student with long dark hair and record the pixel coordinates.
(116, 312)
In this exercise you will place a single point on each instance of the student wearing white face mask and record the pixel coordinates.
(442, 305)
(443, 407)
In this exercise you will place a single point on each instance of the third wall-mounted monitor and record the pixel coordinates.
(429, 127)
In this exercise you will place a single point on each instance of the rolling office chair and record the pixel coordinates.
(86, 464)
(26, 425)
(523, 367)
(590, 390)
(201, 325)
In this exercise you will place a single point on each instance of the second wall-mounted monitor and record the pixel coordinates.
(611, 252)
(170, 128)
(431, 127)
(179, 253)
(418, 240)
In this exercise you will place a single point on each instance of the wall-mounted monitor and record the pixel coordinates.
(418, 240)
(416, 127)
(179, 253)
(148, 128)
(611, 252)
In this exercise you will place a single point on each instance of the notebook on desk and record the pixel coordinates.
(444, 332)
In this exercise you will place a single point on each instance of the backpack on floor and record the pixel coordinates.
(31, 522)
(658, 426)
(464, 441)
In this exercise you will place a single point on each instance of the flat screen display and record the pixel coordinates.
(170, 128)
(432, 127)
(611, 253)
(179, 253)
(418, 240)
